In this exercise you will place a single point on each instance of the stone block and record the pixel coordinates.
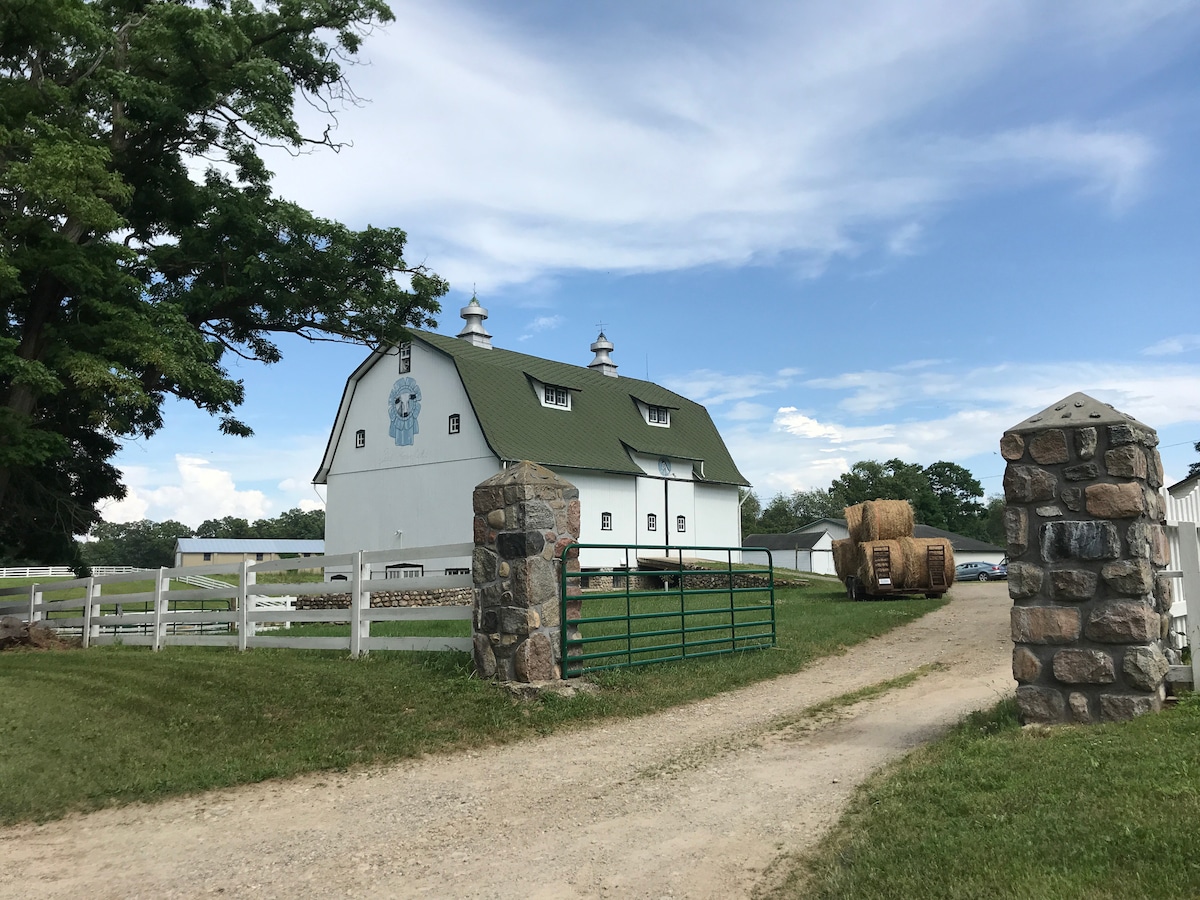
(1126, 462)
(1085, 443)
(1026, 666)
(1076, 666)
(1123, 622)
(1079, 540)
(1123, 707)
(495, 519)
(1045, 624)
(485, 658)
(1153, 504)
(573, 518)
(1028, 484)
(1024, 580)
(1012, 447)
(1049, 447)
(486, 499)
(1072, 498)
(535, 581)
(1145, 667)
(1130, 577)
(1073, 584)
(1087, 471)
(1137, 537)
(1016, 530)
(1039, 705)
(1115, 501)
(1154, 469)
(1160, 547)
(520, 544)
(515, 620)
(1080, 713)
(491, 594)
(483, 566)
(1048, 512)
(1124, 434)
(534, 659)
(535, 515)
(1164, 593)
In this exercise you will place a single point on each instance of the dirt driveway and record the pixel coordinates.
(695, 802)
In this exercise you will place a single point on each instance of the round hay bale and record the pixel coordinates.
(896, 566)
(843, 558)
(854, 515)
(886, 520)
(916, 560)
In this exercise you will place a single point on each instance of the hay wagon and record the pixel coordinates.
(882, 559)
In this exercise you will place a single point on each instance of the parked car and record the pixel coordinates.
(980, 571)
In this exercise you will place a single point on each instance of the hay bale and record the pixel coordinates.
(866, 568)
(844, 562)
(854, 516)
(916, 560)
(886, 520)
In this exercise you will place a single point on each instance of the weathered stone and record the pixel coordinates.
(515, 620)
(496, 519)
(1164, 593)
(550, 614)
(573, 518)
(490, 594)
(1083, 472)
(1045, 624)
(1123, 707)
(1028, 484)
(1078, 702)
(520, 544)
(1115, 501)
(1123, 622)
(1016, 529)
(1124, 434)
(1160, 547)
(1048, 512)
(1073, 584)
(1024, 580)
(1126, 462)
(1079, 540)
(1049, 448)
(534, 659)
(505, 569)
(1145, 667)
(1012, 447)
(1039, 705)
(1131, 577)
(480, 530)
(1026, 666)
(1154, 469)
(485, 659)
(1072, 498)
(1137, 537)
(1165, 623)
(535, 516)
(483, 566)
(1153, 504)
(534, 581)
(1075, 666)
(486, 499)
(1085, 443)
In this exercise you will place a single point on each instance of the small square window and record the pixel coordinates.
(556, 396)
(681, 523)
(651, 522)
(258, 557)
(208, 557)
(406, 357)
(455, 423)
(606, 521)
(360, 438)
(658, 415)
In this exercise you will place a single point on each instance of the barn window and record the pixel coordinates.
(459, 570)
(455, 423)
(606, 521)
(406, 357)
(658, 415)
(258, 557)
(554, 395)
(681, 523)
(208, 557)
(651, 522)
(360, 438)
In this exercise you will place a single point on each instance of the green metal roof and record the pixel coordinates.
(603, 420)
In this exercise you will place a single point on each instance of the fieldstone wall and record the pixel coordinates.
(436, 597)
(1086, 544)
(524, 518)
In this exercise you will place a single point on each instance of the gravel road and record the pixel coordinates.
(695, 802)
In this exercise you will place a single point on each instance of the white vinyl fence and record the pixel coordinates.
(222, 614)
(1185, 616)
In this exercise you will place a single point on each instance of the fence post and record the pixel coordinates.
(244, 625)
(86, 631)
(159, 628)
(356, 606)
(33, 600)
(1189, 565)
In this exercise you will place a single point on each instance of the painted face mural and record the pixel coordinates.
(404, 405)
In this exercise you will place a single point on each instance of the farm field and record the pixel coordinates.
(112, 725)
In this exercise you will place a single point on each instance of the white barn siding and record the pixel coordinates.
(718, 517)
(600, 493)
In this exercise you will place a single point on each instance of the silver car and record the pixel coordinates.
(980, 571)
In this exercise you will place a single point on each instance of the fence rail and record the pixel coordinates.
(220, 613)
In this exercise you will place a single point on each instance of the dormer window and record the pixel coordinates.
(658, 415)
(553, 395)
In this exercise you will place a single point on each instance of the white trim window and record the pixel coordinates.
(681, 523)
(556, 395)
(606, 521)
(651, 522)
(455, 423)
(360, 438)
(406, 357)
(658, 415)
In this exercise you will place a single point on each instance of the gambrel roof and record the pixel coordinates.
(603, 425)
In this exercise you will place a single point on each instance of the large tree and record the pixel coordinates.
(144, 544)
(140, 243)
(943, 494)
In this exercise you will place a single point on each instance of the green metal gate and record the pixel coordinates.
(657, 607)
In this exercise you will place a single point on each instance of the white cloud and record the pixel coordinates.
(712, 388)
(195, 491)
(540, 324)
(1173, 346)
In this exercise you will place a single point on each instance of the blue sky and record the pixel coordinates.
(854, 231)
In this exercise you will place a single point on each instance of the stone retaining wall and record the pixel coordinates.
(437, 597)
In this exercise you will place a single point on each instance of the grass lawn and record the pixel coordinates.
(993, 810)
(86, 729)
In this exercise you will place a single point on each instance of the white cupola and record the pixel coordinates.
(602, 346)
(473, 332)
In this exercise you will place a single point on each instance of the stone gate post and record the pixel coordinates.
(525, 517)
(1084, 522)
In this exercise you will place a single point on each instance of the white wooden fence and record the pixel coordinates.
(1185, 616)
(36, 572)
(168, 618)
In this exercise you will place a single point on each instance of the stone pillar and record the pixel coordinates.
(524, 518)
(1084, 522)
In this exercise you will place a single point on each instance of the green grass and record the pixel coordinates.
(86, 729)
(993, 810)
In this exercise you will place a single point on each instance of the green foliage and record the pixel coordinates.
(788, 512)
(994, 521)
(129, 273)
(294, 524)
(1194, 468)
(144, 544)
